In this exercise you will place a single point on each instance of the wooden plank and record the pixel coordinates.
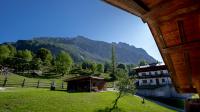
(181, 31)
(164, 9)
(178, 12)
(189, 68)
(182, 47)
(128, 5)
(172, 71)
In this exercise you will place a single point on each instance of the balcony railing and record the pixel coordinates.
(152, 76)
(151, 86)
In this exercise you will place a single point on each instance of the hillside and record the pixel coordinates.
(82, 48)
(26, 99)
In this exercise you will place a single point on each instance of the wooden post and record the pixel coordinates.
(5, 81)
(114, 85)
(38, 83)
(143, 101)
(23, 83)
(90, 85)
(62, 86)
(52, 85)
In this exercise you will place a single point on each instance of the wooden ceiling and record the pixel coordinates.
(175, 25)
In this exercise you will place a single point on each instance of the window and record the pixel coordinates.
(151, 81)
(143, 73)
(152, 73)
(144, 81)
(163, 80)
(149, 73)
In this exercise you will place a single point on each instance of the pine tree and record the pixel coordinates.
(113, 63)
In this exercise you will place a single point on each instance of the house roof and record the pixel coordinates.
(147, 68)
(83, 77)
(175, 26)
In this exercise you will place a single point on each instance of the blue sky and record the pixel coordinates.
(25, 19)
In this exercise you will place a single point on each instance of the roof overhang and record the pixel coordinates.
(175, 26)
(83, 78)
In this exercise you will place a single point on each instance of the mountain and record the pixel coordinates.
(82, 48)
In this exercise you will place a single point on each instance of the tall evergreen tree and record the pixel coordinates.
(113, 63)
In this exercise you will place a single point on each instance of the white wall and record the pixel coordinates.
(165, 91)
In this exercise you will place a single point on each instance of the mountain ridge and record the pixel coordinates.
(82, 48)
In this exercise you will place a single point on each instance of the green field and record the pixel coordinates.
(44, 100)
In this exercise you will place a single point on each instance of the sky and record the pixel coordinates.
(94, 19)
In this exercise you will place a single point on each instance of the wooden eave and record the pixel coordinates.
(175, 26)
(83, 78)
(151, 68)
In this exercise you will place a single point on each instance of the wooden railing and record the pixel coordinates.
(37, 84)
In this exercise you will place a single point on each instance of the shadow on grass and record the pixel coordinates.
(108, 109)
(63, 90)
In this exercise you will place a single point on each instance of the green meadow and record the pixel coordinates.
(44, 100)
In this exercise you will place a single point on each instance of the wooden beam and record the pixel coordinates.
(182, 7)
(157, 34)
(172, 71)
(181, 31)
(135, 7)
(182, 47)
(179, 12)
(142, 5)
(197, 84)
(189, 68)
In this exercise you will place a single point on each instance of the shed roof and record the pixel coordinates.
(83, 77)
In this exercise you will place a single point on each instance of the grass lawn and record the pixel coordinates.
(44, 100)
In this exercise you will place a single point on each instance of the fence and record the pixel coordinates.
(36, 84)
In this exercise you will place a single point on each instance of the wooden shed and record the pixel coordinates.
(85, 84)
(175, 25)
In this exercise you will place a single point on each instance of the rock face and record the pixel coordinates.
(82, 48)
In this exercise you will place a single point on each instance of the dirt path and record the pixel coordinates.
(2, 89)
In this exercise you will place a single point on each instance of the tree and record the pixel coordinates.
(113, 77)
(143, 62)
(63, 63)
(23, 60)
(86, 65)
(124, 85)
(4, 53)
(45, 55)
(36, 64)
(93, 67)
(131, 70)
(122, 66)
(100, 68)
(12, 49)
(107, 67)
(24, 54)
